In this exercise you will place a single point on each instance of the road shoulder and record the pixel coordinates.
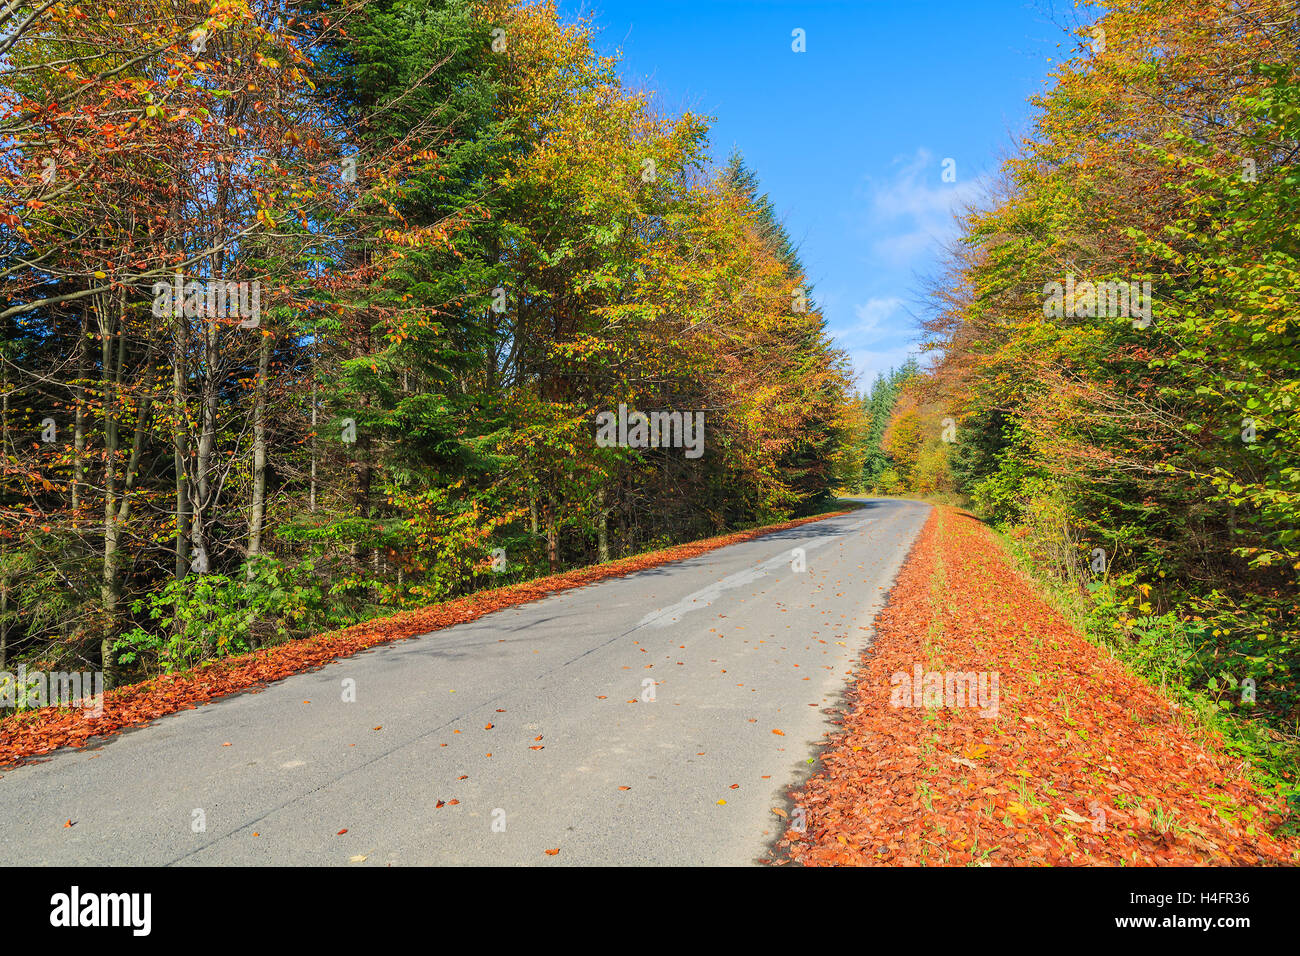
(985, 730)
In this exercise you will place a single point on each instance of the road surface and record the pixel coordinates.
(622, 715)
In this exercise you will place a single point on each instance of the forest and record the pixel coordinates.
(308, 311)
(1148, 462)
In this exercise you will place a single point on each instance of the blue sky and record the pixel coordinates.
(849, 137)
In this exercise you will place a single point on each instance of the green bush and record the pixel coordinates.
(206, 616)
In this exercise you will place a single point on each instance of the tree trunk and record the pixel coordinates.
(4, 623)
(258, 516)
(201, 481)
(79, 426)
(311, 501)
(108, 580)
(552, 544)
(602, 527)
(181, 447)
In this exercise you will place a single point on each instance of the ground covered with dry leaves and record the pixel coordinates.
(33, 733)
(1082, 764)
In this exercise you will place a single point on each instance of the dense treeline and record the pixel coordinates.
(881, 451)
(1144, 440)
(308, 310)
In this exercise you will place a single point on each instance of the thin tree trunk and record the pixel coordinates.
(79, 426)
(258, 516)
(117, 513)
(602, 527)
(552, 543)
(181, 447)
(311, 503)
(4, 623)
(108, 581)
(201, 481)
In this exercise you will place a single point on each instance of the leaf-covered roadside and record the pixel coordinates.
(1083, 764)
(32, 733)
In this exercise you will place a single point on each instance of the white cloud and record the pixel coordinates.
(874, 312)
(916, 210)
(902, 221)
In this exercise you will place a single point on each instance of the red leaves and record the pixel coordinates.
(1083, 763)
(32, 733)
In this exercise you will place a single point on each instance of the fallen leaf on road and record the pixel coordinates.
(553, 852)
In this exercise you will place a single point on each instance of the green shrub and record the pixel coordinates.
(206, 616)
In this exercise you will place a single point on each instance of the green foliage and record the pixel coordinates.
(743, 181)
(463, 258)
(205, 616)
(1172, 446)
(877, 408)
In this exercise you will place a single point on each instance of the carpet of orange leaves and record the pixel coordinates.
(1083, 764)
(32, 733)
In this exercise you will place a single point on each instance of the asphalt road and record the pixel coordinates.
(731, 645)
